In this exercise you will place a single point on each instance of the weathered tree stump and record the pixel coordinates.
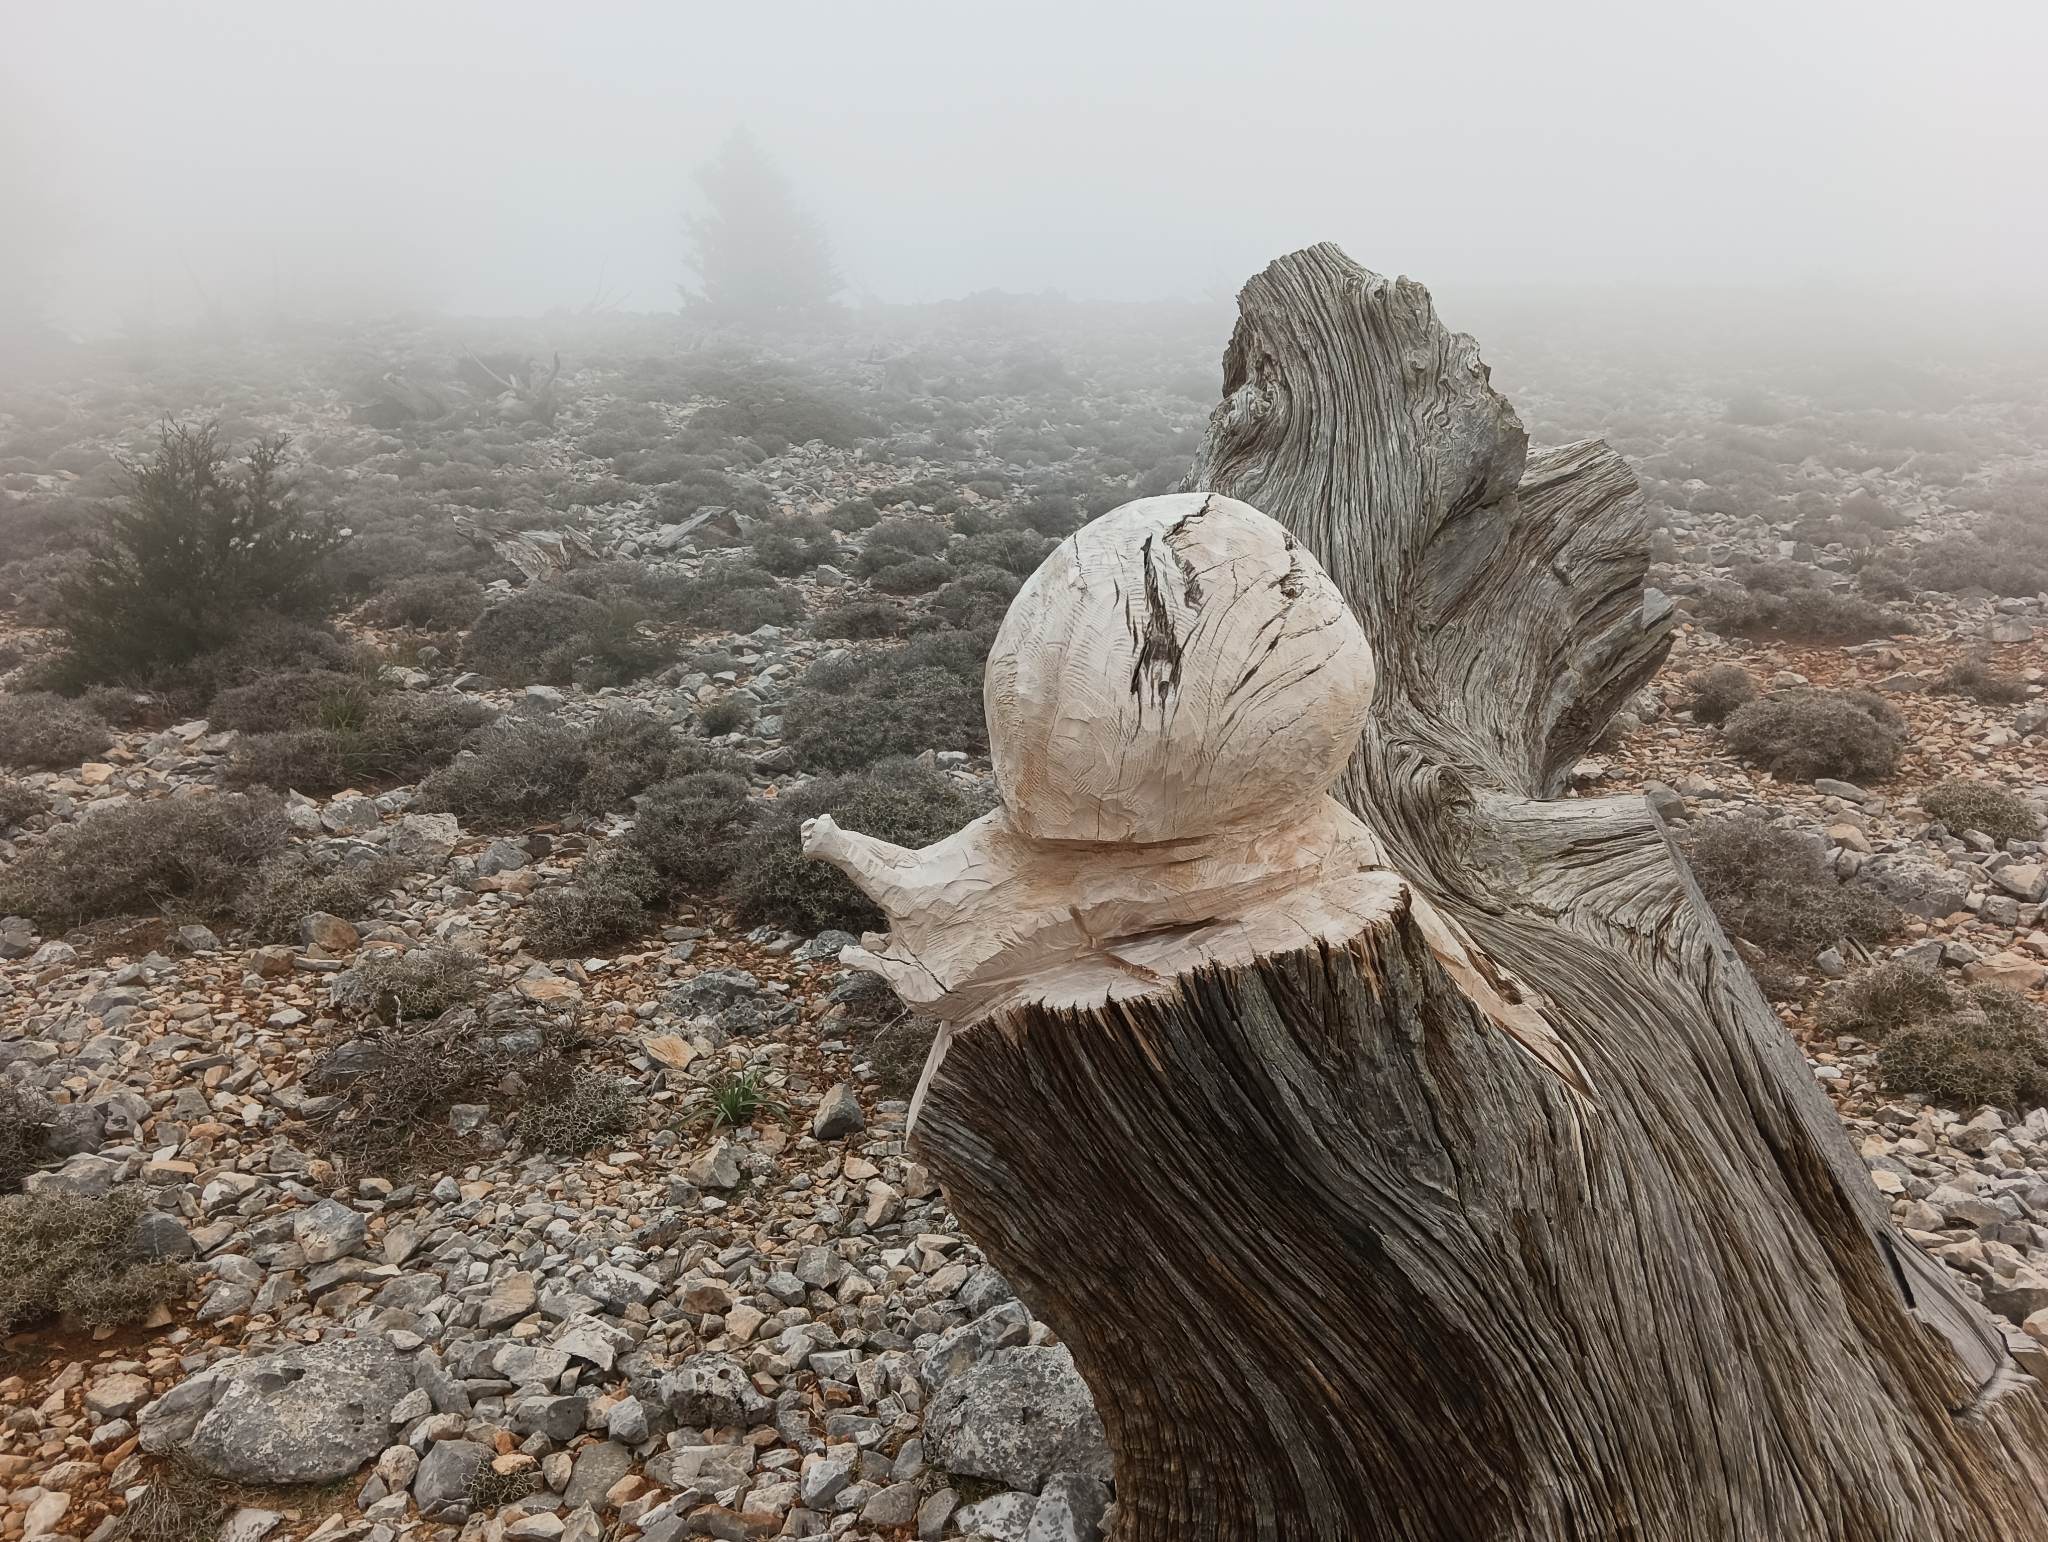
(1424, 1165)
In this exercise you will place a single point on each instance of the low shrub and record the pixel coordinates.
(686, 827)
(605, 903)
(25, 1122)
(899, 801)
(69, 1255)
(851, 713)
(624, 753)
(397, 737)
(1963, 804)
(979, 597)
(193, 854)
(39, 730)
(1772, 888)
(1958, 1046)
(570, 1116)
(294, 698)
(415, 985)
(19, 803)
(1013, 551)
(727, 715)
(387, 1094)
(858, 619)
(1789, 600)
(1802, 734)
(913, 575)
(1719, 691)
(539, 769)
(300, 881)
(550, 635)
(898, 1051)
(433, 602)
(794, 547)
(739, 598)
(1976, 679)
(896, 541)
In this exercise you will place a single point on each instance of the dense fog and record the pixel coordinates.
(162, 160)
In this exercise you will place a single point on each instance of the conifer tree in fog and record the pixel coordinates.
(756, 254)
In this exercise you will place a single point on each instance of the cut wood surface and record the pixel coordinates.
(1339, 1257)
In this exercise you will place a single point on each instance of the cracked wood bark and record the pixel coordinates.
(1338, 1260)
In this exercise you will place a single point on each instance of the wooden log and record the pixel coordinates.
(1458, 1183)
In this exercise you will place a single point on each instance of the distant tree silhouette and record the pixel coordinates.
(756, 254)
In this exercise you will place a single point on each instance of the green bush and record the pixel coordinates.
(1772, 888)
(1963, 804)
(624, 753)
(193, 854)
(202, 548)
(39, 730)
(899, 801)
(1799, 735)
(63, 1254)
(1961, 1047)
(1719, 691)
(293, 698)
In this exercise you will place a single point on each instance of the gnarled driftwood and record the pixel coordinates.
(1459, 1183)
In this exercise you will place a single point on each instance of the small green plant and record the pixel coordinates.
(737, 1098)
(64, 1253)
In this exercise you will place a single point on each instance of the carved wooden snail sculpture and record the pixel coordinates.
(1169, 699)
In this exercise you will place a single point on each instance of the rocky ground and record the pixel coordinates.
(774, 1329)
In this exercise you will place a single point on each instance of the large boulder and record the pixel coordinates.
(303, 1415)
(713, 1391)
(1015, 1419)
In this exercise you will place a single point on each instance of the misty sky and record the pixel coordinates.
(510, 156)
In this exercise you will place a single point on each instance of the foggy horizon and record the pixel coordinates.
(509, 160)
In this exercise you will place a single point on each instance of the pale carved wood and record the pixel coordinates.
(1427, 1167)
